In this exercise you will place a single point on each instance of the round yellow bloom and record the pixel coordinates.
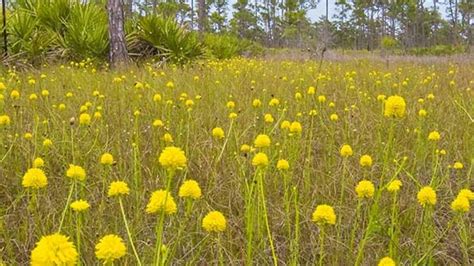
(346, 150)
(230, 104)
(218, 133)
(334, 117)
(214, 221)
(38, 163)
(458, 165)
(85, 119)
(191, 189)
(4, 120)
(172, 158)
(394, 186)
(80, 205)
(15, 95)
(260, 159)
(274, 102)
(460, 204)
(76, 172)
(28, 136)
(107, 159)
(33, 97)
(118, 188)
(158, 123)
(422, 113)
(283, 165)
(426, 196)
(256, 103)
(47, 143)
(285, 124)
(245, 148)
(387, 261)
(296, 127)
(365, 161)
(365, 189)
(466, 193)
(268, 118)
(262, 141)
(298, 96)
(34, 178)
(324, 214)
(55, 249)
(167, 138)
(233, 115)
(434, 136)
(311, 90)
(161, 200)
(321, 98)
(110, 248)
(395, 106)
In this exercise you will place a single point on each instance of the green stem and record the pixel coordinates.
(63, 215)
(128, 232)
(321, 245)
(265, 216)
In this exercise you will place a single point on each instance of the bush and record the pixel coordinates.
(438, 50)
(169, 41)
(228, 46)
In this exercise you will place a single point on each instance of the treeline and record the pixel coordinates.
(180, 30)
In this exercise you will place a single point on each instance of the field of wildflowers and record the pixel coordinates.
(238, 162)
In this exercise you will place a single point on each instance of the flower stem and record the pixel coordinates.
(63, 215)
(128, 232)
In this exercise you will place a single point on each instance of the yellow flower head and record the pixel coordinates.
(158, 123)
(395, 106)
(34, 178)
(458, 165)
(15, 95)
(54, 249)
(80, 205)
(285, 124)
(311, 90)
(262, 141)
(268, 118)
(167, 138)
(434, 136)
(426, 196)
(460, 204)
(283, 165)
(4, 120)
(466, 193)
(296, 127)
(85, 119)
(422, 113)
(394, 186)
(76, 172)
(346, 150)
(107, 159)
(110, 248)
(172, 158)
(260, 159)
(190, 189)
(245, 148)
(47, 143)
(324, 214)
(274, 102)
(256, 103)
(218, 133)
(38, 163)
(365, 161)
(161, 200)
(214, 221)
(387, 261)
(321, 98)
(230, 104)
(118, 188)
(365, 189)
(334, 117)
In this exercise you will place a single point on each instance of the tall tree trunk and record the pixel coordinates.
(118, 50)
(4, 23)
(201, 17)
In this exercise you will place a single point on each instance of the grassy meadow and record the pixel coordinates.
(278, 148)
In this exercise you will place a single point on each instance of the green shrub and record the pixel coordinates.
(228, 46)
(170, 41)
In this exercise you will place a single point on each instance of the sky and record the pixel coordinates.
(320, 10)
